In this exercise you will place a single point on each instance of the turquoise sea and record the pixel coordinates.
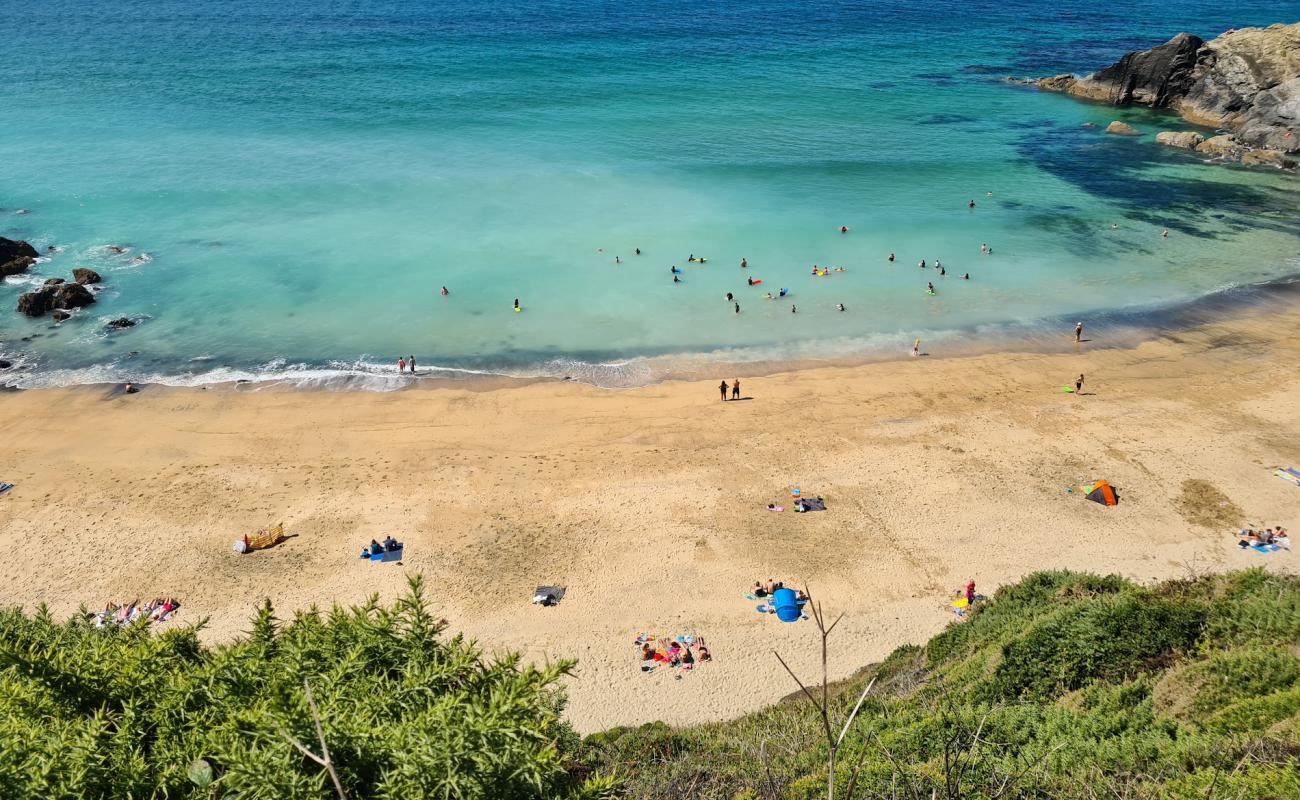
(294, 182)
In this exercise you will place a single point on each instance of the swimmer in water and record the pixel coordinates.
(839, 269)
(618, 260)
(516, 304)
(929, 287)
(744, 264)
(769, 295)
(840, 306)
(815, 270)
(971, 204)
(921, 263)
(783, 292)
(737, 308)
(937, 265)
(965, 276)
(675, 270)
(891, 258)
(1114, 227)
(1165, 233)
(638, 251)
(942, 272)
(691, 260)
(793, 310)
(844, 229)
(676, 279)
(729, 297)
(751, 281)
(445, 292)
(984, 248)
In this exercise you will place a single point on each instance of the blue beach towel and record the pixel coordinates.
(5, 487)
(1264, 548)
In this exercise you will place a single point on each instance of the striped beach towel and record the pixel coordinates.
(1289, 474)
(5, 487)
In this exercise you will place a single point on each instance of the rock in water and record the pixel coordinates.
(53, 281)
(5, 364)
(34, 304)
(1222, 146)
(1122, 129)
(1246, 80)
(15, 266)
(56, 296)
(11, 249)
(61, 315)
(120, 323)
(85, 277)
(1187, 140)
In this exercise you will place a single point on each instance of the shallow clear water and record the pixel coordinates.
(302, 179)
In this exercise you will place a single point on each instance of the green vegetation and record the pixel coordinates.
(1063, 686)
(405, 712)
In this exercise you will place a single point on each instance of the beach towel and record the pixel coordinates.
(1264, 548)
(389, 555)
(5, 487)
(813, 505)
(1287, 474)
(776, 509)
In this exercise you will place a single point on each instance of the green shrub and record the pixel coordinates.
(406, 712)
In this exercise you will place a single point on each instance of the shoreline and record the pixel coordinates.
(649, 503)
(1121, 328)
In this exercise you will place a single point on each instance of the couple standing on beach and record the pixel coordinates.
(735, 390)
(403, 362)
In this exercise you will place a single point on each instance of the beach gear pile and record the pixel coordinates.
(786, 604)
(5, 487)
(390, 550)
(159, 610)
(801, 503)
(1289, 474)
(681, 652)
(1265, 541)
(548, 595)
(268, 537)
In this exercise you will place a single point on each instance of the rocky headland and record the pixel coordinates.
(1245, 82)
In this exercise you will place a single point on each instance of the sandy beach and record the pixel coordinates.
(650, 504)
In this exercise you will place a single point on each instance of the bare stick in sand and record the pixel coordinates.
(833, 742)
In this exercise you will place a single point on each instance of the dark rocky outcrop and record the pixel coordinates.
(15, 257)
(60, 315)
(5, 364)
(121, 323)
(85, 276)
(1122, 129)
(1246, 81)
(59, 296)
(53, 281)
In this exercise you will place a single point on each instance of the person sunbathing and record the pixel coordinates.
(704, 651)
(647, 652)
(759, 590)
(376, 548)
(770, 586)
(391, 544)
(688, 659)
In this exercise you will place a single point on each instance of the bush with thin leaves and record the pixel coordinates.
(405, 711)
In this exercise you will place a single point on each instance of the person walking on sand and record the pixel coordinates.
(401, 364)
(411, 361)
(735, 389)
(916, 347)
(1078, 384)
(1078, 332)
(723, 388)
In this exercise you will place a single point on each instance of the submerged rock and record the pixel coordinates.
(86, 276)
(5, 364)
(1267, 158)
(1246, 81)
(1122, 129)
(61, 315)
(1187, 140)
(53, 281)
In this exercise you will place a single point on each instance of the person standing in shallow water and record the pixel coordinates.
(401, 364)
(735, 389)
(1078, 332)
(723, 388)
(411, 361)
